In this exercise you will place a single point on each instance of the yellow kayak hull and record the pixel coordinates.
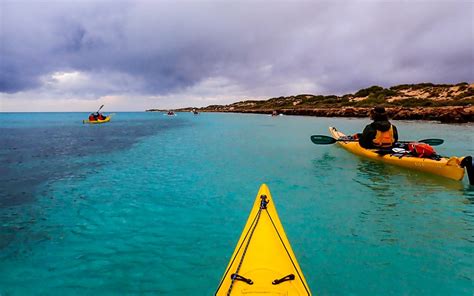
(445, 167)
(107, 119)
(263, 254)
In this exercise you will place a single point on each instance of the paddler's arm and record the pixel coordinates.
(395, 133)
(367, 136)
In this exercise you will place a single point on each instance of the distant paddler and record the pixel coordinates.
(97, 117)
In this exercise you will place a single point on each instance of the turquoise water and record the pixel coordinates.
(151, 204)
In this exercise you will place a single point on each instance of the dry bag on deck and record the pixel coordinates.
(421, 149)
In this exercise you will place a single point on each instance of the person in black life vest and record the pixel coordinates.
(380, 133)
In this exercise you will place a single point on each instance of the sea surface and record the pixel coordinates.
(153, 204)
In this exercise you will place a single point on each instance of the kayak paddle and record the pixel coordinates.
(432, 142)
(100, 108)
(325, 140)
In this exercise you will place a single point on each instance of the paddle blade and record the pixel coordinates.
(322, 140)
(432, 142)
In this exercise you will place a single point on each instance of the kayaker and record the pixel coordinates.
(96, 116)
(93, 116)
(380, 133)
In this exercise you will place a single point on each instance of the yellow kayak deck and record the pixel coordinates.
(107, 119)
(445, 167)
(263, 261)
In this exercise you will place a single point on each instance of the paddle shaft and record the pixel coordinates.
(403, 142)
(324, 140)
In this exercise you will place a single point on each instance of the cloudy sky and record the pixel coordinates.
(74, 55)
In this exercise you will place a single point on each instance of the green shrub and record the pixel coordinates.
(367, 91)
(418, 86)
(372, 100)
(389, 92)
(414, 102)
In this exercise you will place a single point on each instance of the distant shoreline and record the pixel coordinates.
(446, 103)
(440, 114)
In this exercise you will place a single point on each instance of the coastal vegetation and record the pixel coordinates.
(406, 95)
(443, 102)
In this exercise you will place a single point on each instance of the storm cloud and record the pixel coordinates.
(182, 53)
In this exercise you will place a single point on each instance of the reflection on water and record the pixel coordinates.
(323, 164)
(469, 194)
(380, 174)
(402, 201)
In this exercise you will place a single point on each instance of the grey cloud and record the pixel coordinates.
(171, 46)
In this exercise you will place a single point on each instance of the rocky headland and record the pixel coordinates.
(447, 103)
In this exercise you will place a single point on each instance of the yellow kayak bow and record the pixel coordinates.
(263, 261)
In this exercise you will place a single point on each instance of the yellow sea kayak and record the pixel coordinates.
(263, 261)
(447, 167)
(107, 119)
